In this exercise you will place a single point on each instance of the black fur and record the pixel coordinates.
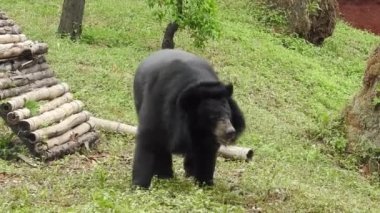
(178, 99)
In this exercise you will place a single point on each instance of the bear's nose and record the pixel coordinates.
(230, 133)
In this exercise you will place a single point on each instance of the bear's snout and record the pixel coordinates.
(225, 132)
(230, 133)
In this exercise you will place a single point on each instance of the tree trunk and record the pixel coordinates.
(71, 18)
(168, 41)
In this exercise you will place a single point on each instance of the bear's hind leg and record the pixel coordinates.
(163, 165)
(188, 165)
(143, 164)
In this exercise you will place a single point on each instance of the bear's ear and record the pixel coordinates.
(238, 120)
(230, 89)
(195, 93)
(188, 99)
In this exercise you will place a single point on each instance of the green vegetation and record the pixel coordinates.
(198, 16)
(290, 91)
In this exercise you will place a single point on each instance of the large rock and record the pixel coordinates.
(362, 115)
(313, 20)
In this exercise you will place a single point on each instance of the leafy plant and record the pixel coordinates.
(266, 14)
(33, 106)
(200, 16)
(6, 149)
(313, 6)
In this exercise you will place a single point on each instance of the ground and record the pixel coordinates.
(287, 89)
(363, 14)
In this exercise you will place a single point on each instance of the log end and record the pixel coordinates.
(32, 138)
(249, 155)
(12, 118)
(24, 126)
(5, 108)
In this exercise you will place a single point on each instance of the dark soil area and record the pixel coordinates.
(362, 14)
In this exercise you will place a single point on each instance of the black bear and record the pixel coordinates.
(182, 108)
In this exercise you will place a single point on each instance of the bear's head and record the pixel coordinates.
(208, 106)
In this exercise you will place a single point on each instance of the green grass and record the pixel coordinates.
(286, 88)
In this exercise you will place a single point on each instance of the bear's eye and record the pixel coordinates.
(214, 117)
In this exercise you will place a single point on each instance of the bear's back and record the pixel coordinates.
(167, 72)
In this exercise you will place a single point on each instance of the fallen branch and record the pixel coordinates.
(230, 152)
(9, 38)
(58, 129)
(36, 95)
(236, 152)
(23, 89)
(71, 135)
(113, 126)
(21, 80)
(52, 116)
(27, 160)
(20, 114)
(71, 146)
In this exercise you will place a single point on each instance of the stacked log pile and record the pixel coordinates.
(39, 108)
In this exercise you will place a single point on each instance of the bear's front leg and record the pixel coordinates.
(188, 165)
(163, 164)
(204, 162)
(143, 165)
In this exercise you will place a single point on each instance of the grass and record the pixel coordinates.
(286, 87)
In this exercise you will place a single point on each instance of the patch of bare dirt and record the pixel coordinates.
(6, 178)
(361, 14)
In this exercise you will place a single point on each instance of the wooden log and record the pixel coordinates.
(39, 48)
(70, 135)
(10, 30)
(236, 152)
(24, 113)
(6, 22)
(6, 66)
(20, 64)
(25, 44)
(21, 80)
(36, 95)
(51, 117)
(70, 147)
(23, 89)
(34, 68)
(58, 129)
(113, 126)
(24, 65)
(27, 52)
(229, 152)
(3, 16)
(9, 38)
